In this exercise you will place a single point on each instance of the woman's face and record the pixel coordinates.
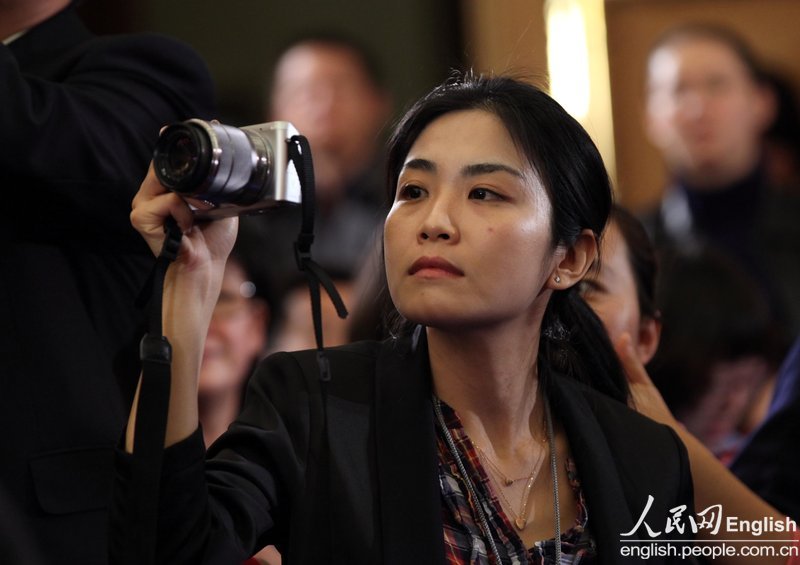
(467, 241)
(236, 335)
(733, 385)
(611, 293)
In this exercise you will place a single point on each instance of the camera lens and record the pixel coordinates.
(182, 157)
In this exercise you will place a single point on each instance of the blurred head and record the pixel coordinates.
(733, 386)
(621, 290)
(707, 106)
(330, 89)
(499, 198)
(237, 335)
(717, 343)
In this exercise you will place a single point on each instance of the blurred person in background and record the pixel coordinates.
(768, 461)
(236, 341)
(708, 108)
(622, 291)
(622, 287)
(80, 116)
(332, 90)
(717, 354)
(714, 365)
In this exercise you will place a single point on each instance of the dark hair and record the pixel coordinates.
(714, 32)
(571, 169)
(641, 257)
(785, 128)
(712, 311)
(363, 56)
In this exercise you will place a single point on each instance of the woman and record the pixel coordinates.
(497, 423)
(717, 348)
(622, 291)
(236, 340)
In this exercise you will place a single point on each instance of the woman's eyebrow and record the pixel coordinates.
(485, 168)
(420, 165)
(472, 170)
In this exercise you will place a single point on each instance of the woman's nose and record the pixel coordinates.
(438, 234)
(439, 224)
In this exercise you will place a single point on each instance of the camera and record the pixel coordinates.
(233, 170)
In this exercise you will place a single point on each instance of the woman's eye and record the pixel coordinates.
(484, 194)
(411, 192)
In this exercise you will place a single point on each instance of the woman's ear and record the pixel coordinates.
(648, 339)
(578, 259)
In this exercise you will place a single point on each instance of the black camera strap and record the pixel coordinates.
(300, 155)
(318, 477)
(155, 353)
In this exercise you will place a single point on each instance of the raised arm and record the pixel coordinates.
(191, 289)
(713, 482)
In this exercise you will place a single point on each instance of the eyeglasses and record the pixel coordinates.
(231, 304)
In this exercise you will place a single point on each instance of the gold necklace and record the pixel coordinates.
(482, 520)
(506, 481)
(521, 518)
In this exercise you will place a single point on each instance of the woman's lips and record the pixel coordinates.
(432, 267)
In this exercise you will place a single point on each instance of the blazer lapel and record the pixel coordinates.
(407, 460)
(609, 515)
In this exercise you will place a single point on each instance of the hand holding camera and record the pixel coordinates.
(204, 243)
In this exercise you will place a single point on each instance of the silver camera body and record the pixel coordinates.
(232, 170)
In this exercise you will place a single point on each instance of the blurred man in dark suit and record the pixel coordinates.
(79, 118)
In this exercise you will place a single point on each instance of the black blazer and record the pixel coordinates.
(79, 117)
(351, 476)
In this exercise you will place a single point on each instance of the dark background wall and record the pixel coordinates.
(417, 42)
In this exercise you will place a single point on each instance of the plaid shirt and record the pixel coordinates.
(463, 538)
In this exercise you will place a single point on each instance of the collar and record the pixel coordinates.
(49, 39)
(407, 461)
(602, 488)
(734, 205)
(8, 40)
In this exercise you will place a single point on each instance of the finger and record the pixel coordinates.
(150, 187)
(149, 216)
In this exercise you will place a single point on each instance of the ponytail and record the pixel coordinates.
(574, 344)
